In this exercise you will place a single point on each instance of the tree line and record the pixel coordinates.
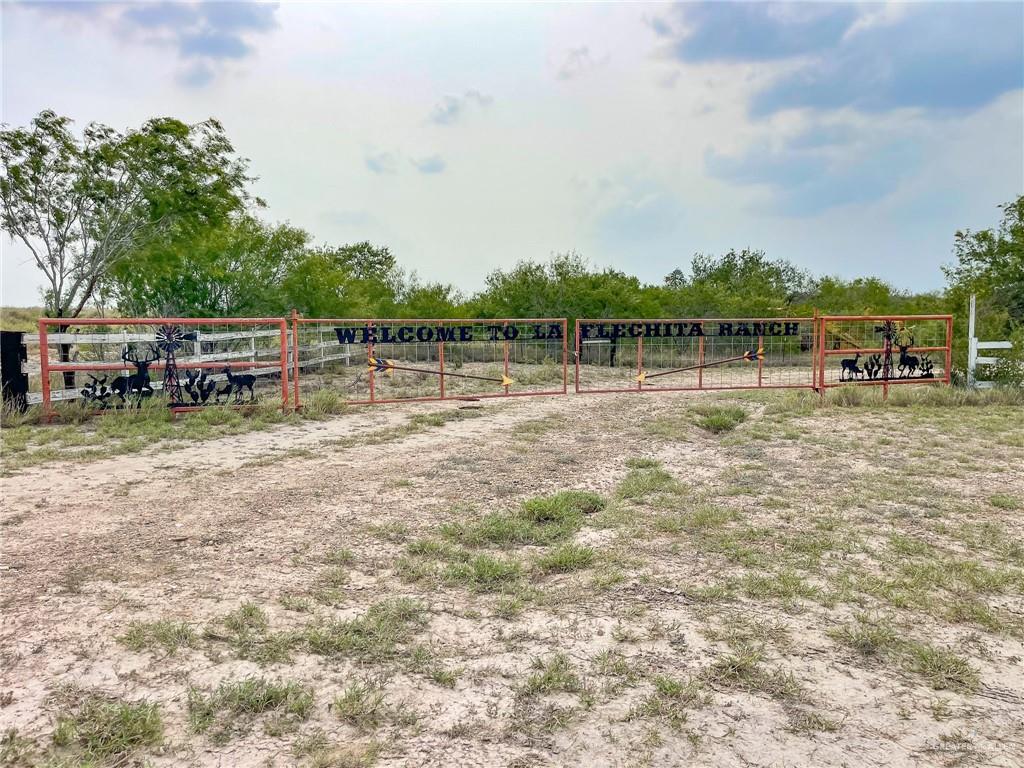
(159, 220)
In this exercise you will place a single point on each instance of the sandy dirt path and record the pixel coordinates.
(189, 534)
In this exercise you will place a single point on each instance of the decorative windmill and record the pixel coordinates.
(169, 339)
(890, 332)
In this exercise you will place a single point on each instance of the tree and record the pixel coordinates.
(743, 283)
(565, 286)
(236, 269)
(359, 280)
(990, 264)
(82, 206)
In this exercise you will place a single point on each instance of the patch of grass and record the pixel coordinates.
(703, 517)
(106, 730)
(333, 578)
(392, 531)
(720, 418)
(744, 671)
(230, 708)
(967, 611)
(556, 674)
(374, 636)
(363, 706)
(16, 750)
(787, 586)
(641, 483)
(869, 636)
(485, 573)
(340, 556)
(941, 667)
(541, 520)
(296, 603)
(246, 629)
(804, 721)
(1005, 501)
(321, 753)
(670, 701)
(568, 557)
(322, 403)
(165, 633)
(711, 593)
(508, 607)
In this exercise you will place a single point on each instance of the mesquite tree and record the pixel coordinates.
(81, 205)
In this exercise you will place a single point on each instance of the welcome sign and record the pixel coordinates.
(666, 330)
(408, 334)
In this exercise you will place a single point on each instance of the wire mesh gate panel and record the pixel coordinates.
(396, 360)
(667, 355)
(190, 363)
(884, 349)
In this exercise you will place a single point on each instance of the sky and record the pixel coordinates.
(851, 139)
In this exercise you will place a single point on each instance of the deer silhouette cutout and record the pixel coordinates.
(850, 369)
(908, 364)
(123, 386)
(240, 383)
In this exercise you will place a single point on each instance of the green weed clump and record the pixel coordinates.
(670, 700)
(374, 636)
(551, 676)
(105, 730)
(247, 631)
(568, 557)
(541, 520)
(230, 708)
(720, 418)
(484, 573)
(165, 633)
(941, 667)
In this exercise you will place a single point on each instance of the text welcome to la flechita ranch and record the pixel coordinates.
(406, 334)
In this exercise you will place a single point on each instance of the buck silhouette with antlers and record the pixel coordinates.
(123, 386)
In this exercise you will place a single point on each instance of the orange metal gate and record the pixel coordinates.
(406, 360)
(651, 355)
(883, 350)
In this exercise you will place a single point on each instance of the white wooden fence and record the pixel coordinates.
(974, 359)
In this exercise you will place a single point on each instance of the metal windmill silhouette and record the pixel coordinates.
(169, 339)
(889, 330)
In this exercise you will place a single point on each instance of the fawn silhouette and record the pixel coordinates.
(850, 368)
(240, 383)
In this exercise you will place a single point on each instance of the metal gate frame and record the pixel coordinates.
(289, 353)
(639, 387)
(297, 321)
(823, 354)
(46, 367)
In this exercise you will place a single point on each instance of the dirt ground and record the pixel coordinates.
(754, 581)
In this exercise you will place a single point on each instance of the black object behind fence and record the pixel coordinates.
(13, 379)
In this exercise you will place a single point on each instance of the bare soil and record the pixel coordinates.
(762, 543)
